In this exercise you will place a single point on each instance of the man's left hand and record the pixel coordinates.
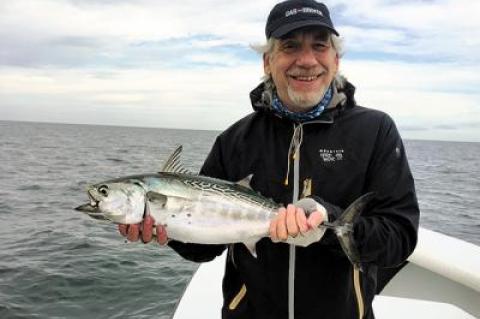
(292, 221)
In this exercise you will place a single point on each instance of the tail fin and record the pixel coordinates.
(343, 228)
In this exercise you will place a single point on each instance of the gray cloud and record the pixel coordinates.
(75, 42)
(84, 3)
(446, 127)
(84, 51)
(413, 128)
(475, 125)
(442, 127)
(20, 50)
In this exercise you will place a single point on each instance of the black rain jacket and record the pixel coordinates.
(349, 151)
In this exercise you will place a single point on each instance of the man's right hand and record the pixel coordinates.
(144, 231)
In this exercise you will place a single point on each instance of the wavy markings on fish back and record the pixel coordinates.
(228, 190)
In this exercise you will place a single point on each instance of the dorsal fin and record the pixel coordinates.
(173, 165)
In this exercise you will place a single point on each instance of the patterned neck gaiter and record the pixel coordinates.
(300, 117)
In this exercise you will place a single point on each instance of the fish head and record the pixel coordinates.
(119, 202)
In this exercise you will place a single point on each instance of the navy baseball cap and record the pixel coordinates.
(290, 15)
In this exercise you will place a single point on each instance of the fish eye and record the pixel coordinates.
(103, 189)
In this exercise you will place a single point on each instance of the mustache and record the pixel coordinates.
(297, 71)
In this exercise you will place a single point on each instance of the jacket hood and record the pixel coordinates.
(343, 97)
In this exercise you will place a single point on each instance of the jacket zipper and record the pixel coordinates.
(296, 141)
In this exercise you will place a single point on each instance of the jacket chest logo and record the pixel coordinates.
(331, 155)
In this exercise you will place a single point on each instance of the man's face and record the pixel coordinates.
(302, 66)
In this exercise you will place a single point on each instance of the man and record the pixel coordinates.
(307, 137)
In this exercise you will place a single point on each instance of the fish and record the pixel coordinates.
(204, 210)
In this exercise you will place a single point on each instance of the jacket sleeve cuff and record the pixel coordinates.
(196, 252)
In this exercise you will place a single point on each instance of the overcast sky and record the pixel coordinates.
(188, 64)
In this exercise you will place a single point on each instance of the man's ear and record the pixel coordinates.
(337, 62)
(266, 64)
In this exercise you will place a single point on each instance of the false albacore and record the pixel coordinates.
(203, 210)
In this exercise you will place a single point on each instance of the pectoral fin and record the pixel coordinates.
(156, 198)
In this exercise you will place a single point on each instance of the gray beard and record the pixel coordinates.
(305, 102)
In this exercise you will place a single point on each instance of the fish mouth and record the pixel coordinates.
(91, 208)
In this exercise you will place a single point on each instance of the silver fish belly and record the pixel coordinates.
(212, 213)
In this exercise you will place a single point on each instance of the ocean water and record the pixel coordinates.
(58, 263)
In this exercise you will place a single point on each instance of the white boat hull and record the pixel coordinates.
(442, 281)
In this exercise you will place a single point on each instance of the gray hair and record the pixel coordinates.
(268, 47)
(336, 42)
